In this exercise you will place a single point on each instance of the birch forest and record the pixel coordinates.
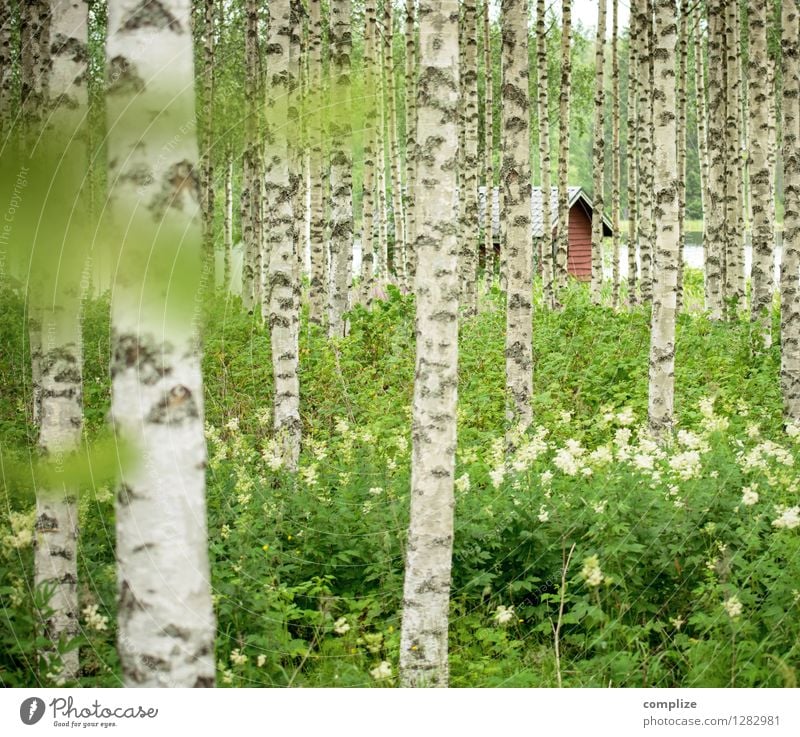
(399, 343)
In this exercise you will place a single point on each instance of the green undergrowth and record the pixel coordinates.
(683, 561)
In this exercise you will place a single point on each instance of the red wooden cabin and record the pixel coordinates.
(579, 257)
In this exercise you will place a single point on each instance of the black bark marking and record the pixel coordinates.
(69, 46)
(204, 682)
(45, 523)
(180, 179)
(142, 354)
(175, 407)
(122, 77)
(151, 14)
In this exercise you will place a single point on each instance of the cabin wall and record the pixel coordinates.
(579, 256)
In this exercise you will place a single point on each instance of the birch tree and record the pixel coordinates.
(227, 222)
(632, 154)
(426, 590)
(60, 411)
(283, 290)
(683, 50)
(488, 148)
(662, 330)
(411, 136)
(562, 247)
(515, 177)
(761, 174)
(469, 195)
(318, 283)
(207, 140)
(368, 181)
(548, 261)
(598, 154)
(251, 182)
(790, 263)
(645, 138)
(7, 58)
(715, 215)
(165, 617)
(340, 133)
(701, 113)
(615, 153)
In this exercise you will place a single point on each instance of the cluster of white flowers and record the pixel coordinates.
(733, 606)
(600, 507)
(711, 422)
(625, 417)
(692, 441)
(503, 615)
(497, 475)
(21, 535)
(462, 483)
(622, 439)
(376, 490)
(382, 671)
(261, 660)
(309, 475)
(687, 465)
(94, 620)
(543, 515)
(793, 431)
(341, 626)
(601, 456)
(529, 451)
(238, 657)
(568, 459)
(788, 519)
(271, 453)
(591, 572)
(749, 495)
(758, 457)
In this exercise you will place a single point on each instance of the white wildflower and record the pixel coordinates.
(497, 475)
(463, 483)
(789, 518)
(686, 465)
(625, 417)
(749, 496)
(503, 615)
(566, 417)
(733, 606)
(95, 620)
(238, 657)
(309, 474)
(643, 461)
(543, 515)
(261, 660)
(601, 456)
(382, 671)
(566, 462)
(376, 490)
(547, 477)
(591, 572)
(600, 507)
(752, 431)
(341, 626)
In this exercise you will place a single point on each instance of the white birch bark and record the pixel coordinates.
(562, 234)
(548, 258)
(426, 591)
(632, 155)
(761, 175)
(662, 330)
(227, 227)
(411, 135)
(341, 234)
(368, 181)
(165, 616)
(598, 155)
(515, 178)
(645, 138)
(469, 193)
(615, 154)
(488, 150)
(790, 262)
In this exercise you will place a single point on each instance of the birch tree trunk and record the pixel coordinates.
(34, 61)
(426, 591)
(469, 194)
(251, 183)
(227, 226)
(207, 141)
(615, 154)
(488, 168)
(562, 234)
(411, 138)
(283, 287)
(598, 155)
(380, 153)
(645, 136)
(341, 239)
(368, 189)
(662, 332)
(398, 219)
(515, 177)
(548, 259)
(60, 402)
(165, 617)
(632, 154)
(734, 274)
(715, 216)
(318, 294)
(7, 62)
(683, 50)
(701, 113)
(762, 177)
(790, 263)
